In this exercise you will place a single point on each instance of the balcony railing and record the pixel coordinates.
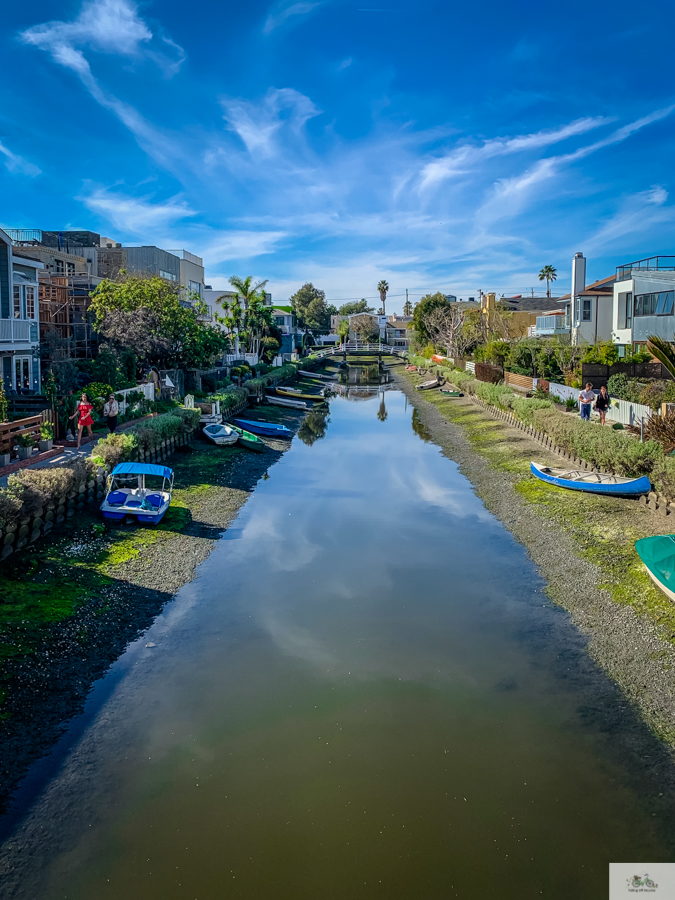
(190, 257)
(652, 263)
(18, 331)
(552, 325)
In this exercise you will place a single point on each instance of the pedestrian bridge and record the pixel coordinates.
(359, 348)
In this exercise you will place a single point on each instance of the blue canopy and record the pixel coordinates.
(136, 468)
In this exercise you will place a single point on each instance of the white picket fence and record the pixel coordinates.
(148, 390)
(563, 391)
(620, 410)
(470, 367)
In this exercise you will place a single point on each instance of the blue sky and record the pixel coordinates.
(442, 146)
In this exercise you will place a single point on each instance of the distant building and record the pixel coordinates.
(19, 320)
(587, 308)
(397, 332)
(643, 302)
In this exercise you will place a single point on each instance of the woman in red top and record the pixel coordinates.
(84, 409)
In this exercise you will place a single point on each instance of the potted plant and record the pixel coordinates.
(47, 436)
(26, 442)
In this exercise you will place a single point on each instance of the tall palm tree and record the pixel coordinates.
(407, 308)
(244, 289)
(550, 273)
(663, 351)
(383, 287)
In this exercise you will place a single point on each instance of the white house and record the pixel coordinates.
(643, 304)
(19, 320)
(588, 308)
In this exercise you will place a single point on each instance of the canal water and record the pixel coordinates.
(364, 693)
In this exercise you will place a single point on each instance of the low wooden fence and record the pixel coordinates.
(521, 382)
(10, 431)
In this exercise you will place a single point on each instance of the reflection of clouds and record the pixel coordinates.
(293, 640)
(287, 547)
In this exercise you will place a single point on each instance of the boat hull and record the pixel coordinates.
(221, 436)
(299, 395)
(286, 401)
(658, 555)
(264, 428)
(452, 393)
(632, 488)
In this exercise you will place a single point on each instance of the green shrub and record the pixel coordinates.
(10, 506)
(625, 388)
(25, 439)
(115, 448)
(97, 389)
(189, 418)
(47, 431)
(146, 438)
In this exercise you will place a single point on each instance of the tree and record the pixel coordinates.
(356, 306)
(365, 327)
(407, 308)
(663, 351)
(151, 313)
(243, 289)
(444, 325)
(549, 274)
(382, 413)
(4, 415)
(343, 330)
(311, 310)
(422, 309)
(383, 288)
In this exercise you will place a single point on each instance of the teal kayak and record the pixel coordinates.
(658, 555)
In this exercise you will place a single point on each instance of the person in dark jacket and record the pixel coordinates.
(602, 403)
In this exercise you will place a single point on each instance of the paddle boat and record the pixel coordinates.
(223, 435)
(250, 441)
(658, 555)
(286, 401)
(593, 482)
(128, 495)
(268, 429)
(296, 394)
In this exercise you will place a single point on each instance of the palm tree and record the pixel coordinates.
(383, 287)
(407, 308)
(663, 351)
(243, 288)
(550, 273)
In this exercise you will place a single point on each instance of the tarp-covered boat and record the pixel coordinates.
(658, 555)
(223, 435)
(268, 429)
(593, 482)
(128, 494)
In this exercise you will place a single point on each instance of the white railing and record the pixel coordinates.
(563, 391)
(470, 366)
(148, 391)
(15, 330)
(231, 359)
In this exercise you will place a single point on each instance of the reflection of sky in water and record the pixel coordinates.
(363, 587)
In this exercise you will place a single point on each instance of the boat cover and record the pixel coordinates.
(136, 468)
(658, 554)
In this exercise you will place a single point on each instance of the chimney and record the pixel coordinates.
(578, 274)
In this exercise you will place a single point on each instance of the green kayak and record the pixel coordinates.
(452, 393)
(658, 555)
(248, 440)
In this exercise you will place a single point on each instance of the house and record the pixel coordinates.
(191, 271)
(588, 308)
(19, 319)
(518, 313)
(397, 332)
(379, 322)
(643, 293)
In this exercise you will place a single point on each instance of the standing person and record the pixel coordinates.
(110, 411)
(586, 397)
(84, 409)
(602, 403)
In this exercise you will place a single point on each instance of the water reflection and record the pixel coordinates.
(314, 425)
(420, 430)
(382, 411)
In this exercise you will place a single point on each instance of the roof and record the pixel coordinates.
(136, 468)
(527, 304)
(604, 286)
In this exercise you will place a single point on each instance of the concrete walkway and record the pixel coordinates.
(68, 454)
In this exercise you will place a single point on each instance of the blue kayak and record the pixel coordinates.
(593, 482)
(265, 428)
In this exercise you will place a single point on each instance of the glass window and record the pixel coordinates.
(59, 266)
(664, 304)
(30, 302)
(71, 268)
(17, 301)
(586, 311)
(638, 305)
(629, 309)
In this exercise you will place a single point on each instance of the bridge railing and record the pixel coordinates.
(359, 347)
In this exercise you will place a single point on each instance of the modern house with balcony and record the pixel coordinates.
(643, 302)
(19, 320)
(551, 324)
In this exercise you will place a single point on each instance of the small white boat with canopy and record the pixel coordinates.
(138, 489)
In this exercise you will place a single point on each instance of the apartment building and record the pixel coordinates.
(19, 319)
(643, 302)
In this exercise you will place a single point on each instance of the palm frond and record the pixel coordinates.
(663, 351)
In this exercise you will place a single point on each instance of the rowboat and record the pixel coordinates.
(268, 429)
(452, 393)
(658, 555)
(286, 401)
(250, 441)
(428, 385)
(318, 375)
(128, 495)
(593, 482)
(223, 435)
(295, 394)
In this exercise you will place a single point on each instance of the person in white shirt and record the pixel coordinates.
(110, 411)
(586, 398)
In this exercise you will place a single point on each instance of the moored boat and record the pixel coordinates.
(128, 495)
(658, 555)
(428, 385)
(286, 401)
(223, 435)
(268, 429)
(296, 394)
(318, 375)
(250, 441)
(452, 393)
(593, 482)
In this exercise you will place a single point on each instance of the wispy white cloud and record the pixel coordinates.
(279, 13)
(258, 124)
(345, 64)
(637, 214)
(234, 244)
(137, 215)
(16, 164)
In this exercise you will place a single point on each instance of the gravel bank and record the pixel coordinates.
(634, 650)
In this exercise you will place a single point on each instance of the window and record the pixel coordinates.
(586, 311)
(17, 301)
(59, 266)
(168, 275)
(195, 286)
(30, 302)
(71, 268)
(660, 304)
(22, 374)
(629, 309)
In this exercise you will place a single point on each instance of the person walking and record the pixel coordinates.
(602, 403)
(110, 411)
(586, 398)
(85, 420)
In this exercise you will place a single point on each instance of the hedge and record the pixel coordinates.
(120, 447)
